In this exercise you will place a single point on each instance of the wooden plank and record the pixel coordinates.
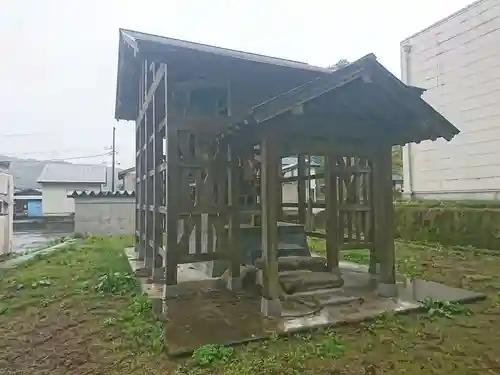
(270, 171)
(233, 189)
(202, 257)
(332, 214)
(383, 212)
(158, 181)
(150, 91)
(317, 176)
(173, 181)
(301, 187)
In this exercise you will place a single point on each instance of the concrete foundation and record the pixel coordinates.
(270, 307)
(201, 310)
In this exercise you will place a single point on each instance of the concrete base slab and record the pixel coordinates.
(234, 283)
(143, 272)
(209, 313)
(387, 290)
(270, 307)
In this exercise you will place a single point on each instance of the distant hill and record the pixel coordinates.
(26, 172)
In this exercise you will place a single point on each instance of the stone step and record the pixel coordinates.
(284, 250)
(304, 281)
(297, 262)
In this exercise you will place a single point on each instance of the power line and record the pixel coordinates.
(48, 152)
(82, 157)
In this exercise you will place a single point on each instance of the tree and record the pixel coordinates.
(397, 159)
(339, 64)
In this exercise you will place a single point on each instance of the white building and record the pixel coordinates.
(6, 208)
(127, 176)
(59, 180)
(457, 61)
(289, 168)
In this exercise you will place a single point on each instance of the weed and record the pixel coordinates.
(330, 346)
(42, 282)
(357, 256)
(140, 325)
(444, 308)
(110, 321)
(210, 354)
(383, 321)
(117, 283)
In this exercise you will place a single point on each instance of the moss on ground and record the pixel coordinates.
(78, 311)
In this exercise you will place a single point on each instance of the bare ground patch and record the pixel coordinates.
(59, 315)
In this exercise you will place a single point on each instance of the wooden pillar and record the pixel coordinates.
(383, 211)
(139, 170)
(309, 225)
(148, 166)
(270, 175)
(159, 113)
(172, 200)
(332, 214)
(279, 200)
(301, 188)
(138, 180)
(233, 190)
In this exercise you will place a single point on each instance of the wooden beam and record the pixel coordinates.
(233, 189)
(270, 170)
(173, 197)
(301, 188)
(332, 214)
(383, 212)
(158, 181)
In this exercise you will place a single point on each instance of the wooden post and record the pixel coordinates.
(271, 171)
(173, 183)
(301, 188)
(332, 214)
(148, 183)
(138, 180)
(139, 170)
(309, 212)
(233, 186)
(279, 200)
(159, 113)
(383, 211)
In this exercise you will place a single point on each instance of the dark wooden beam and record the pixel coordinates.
(383, 211)
(332, 227)
(270, 169)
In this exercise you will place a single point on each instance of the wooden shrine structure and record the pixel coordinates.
(211, 128)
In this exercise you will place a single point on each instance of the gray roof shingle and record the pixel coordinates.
(73, 173)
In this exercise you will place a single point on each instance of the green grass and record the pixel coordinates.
(78, 310)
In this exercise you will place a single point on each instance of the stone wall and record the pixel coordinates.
(105, 215)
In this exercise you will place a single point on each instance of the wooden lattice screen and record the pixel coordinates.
(354, 202)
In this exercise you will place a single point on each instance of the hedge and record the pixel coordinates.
(478, 227)
(459, 223)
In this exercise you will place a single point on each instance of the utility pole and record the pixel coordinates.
(113, 153)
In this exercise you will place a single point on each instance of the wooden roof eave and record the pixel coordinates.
(295, 98)
(433, 125)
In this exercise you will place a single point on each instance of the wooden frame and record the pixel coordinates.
(193, 188)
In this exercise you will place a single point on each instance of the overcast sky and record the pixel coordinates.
(59, 59)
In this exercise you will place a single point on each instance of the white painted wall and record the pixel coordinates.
(289, 189)
(6, 212)
(458, 62)
(129, 181)
(55, 201)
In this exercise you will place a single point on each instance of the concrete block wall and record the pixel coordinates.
(105, 216)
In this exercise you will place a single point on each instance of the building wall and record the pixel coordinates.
(289, 189)
(129, 181)
(105, 216)
(55, 201)
(458, 62)
(6, 212)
